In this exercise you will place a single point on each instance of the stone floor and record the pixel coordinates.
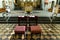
(49, 32)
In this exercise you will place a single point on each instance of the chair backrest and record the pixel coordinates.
(33, 20)
(22, 20)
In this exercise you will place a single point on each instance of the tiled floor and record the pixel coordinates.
(49, 32)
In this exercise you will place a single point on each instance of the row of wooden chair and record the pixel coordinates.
(21, 29)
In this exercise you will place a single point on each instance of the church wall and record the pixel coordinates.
(11, 3)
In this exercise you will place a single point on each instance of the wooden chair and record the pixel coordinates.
(33, 20)
(34, 28)
(22, 20)
(20, 28)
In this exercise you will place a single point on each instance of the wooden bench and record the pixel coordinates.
(50, 10)
(2, 10)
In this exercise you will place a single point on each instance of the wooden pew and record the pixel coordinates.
(50, 10)
(2, 10)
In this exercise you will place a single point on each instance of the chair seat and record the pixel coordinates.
(35, 29)
(20, 29)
